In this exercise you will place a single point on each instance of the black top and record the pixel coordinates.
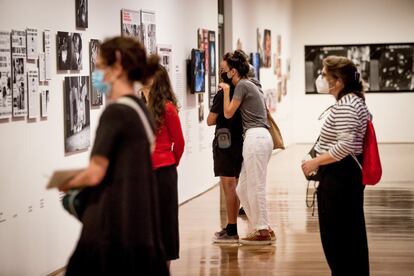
(234, 123)
(120, 223)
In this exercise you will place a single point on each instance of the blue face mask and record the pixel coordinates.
(98, 82)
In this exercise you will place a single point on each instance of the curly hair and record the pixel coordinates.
(160, 93)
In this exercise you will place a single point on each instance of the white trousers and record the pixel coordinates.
(251, 189)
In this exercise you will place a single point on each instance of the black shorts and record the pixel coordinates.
(228, 162)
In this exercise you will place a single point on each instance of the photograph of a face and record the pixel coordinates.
(81, 7)
(69, 51)
(77, 114)
(267, 44)
(96, 96)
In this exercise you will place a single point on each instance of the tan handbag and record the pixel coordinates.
(275, 132)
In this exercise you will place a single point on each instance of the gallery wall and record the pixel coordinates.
(36, 234)
(322, 22)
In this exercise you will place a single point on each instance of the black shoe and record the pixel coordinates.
(242, 212)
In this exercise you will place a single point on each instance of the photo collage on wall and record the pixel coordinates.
(77, 113)
(5, 76)
(165, 53)
(383, 67)
(19, 73)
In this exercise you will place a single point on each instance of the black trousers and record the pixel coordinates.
(341, 218)
(168, 203)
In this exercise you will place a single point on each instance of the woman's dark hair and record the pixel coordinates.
(161, 92)
(133, 57)
(238, 60)
(343, 68)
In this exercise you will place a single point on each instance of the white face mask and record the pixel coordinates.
(322, 85)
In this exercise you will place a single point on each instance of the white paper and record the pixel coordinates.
(48, 53)
(131, 24)
(165, 53)
(32, 51)
(5, 79)
(148, 31)
(19, 73)
(44, 97)
(42, 67)
(60, 177)
(33, 85)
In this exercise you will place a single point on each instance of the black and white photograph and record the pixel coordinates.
(148, 28)
(42, 67)
(69, 51)
(81, 7)
(131, 24)
(47, 48)
(5, 76)
(31, 39)
(96, 96)
(77, 114)
(44, 100)
(19, 84)
(33, 94)
(383, 67)
(165, 53)
(63, 50)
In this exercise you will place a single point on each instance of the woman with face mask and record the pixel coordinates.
(340, 192)
(227, 158)
(257, 145)
(121, 232)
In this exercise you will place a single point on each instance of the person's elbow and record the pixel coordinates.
(228, 114)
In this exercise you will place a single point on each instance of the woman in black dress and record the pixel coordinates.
(121, 233)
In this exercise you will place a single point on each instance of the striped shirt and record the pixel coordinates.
(344, 129)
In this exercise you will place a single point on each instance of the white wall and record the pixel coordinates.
(40, 241)
(275, 15)
(351, 22)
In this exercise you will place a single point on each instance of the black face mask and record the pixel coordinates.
(225, 78)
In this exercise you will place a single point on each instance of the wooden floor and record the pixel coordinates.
(389, 209)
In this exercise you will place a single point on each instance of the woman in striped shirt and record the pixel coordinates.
(341, 192)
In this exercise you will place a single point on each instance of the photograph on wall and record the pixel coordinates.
(44, 100)
(19, 84)
(81, 7)
(259, 42)
(69, 51)
(31, 39)
(197, 71)
(77, 114)
(212, 78)
(267, 44)
(5, 76)
(279, 45)
(270, 99)
(383, 67)
(255, 61)
(277, 66)
(47, 48)
(33, 95)
(202, 41)
(42, 67)
(131, 24)
(148, 28)
(165, 53)
(96, 96)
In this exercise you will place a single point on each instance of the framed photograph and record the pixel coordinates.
(131, 24)
(96, 96)
(81, 7)
(77, 114)
(259, 42)
(148, 28)
(5, 76)
(383, 67)
(267, 44)
(255, 61)
(69, 51)
(165, 53)
(19, 77)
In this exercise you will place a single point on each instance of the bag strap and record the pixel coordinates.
(148, 130)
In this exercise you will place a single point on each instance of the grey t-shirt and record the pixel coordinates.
(252, 107)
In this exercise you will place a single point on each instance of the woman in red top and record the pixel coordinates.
(169, 147)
